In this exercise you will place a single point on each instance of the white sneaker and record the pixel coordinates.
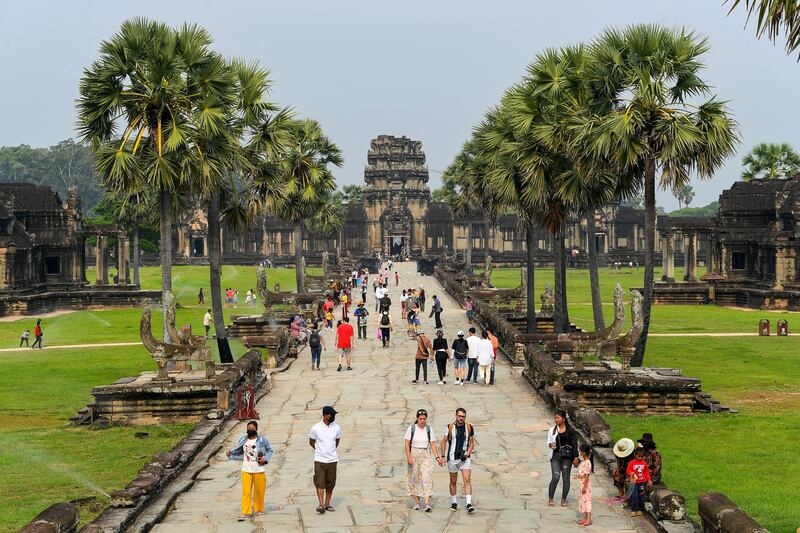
(461, 383)
(440, 383)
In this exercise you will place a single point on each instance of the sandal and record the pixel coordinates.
(586, 524)
(330, 509)
(321, 509)
(563, 503)
(551, 503)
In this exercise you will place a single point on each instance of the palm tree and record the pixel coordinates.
(648, 75)
(771, 161)
(774, 18)
(141, 105)
(306, 182)
(130, 210)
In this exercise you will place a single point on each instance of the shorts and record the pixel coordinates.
(325, 475)
(459, 363)
(345, 351)
(469, 313)
(454, 466)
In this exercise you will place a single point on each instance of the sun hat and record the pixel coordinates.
(460, 334)
(647, 438)
(623, 447)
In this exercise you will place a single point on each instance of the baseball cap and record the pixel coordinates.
(328, 410)
(460, 333)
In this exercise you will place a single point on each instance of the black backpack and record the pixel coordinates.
(313, 339)
(385, 320)
(460, 348)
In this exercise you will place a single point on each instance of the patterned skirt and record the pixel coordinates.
(420, 474)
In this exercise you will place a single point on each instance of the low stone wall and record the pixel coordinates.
(58, 518)
(718, 514)
(728, 294)
(141, 400)
(76, 298)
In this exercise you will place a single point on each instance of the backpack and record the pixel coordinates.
(314, 340)
(385, 320)
(467, 431)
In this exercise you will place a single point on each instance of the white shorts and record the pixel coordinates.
(454, 466)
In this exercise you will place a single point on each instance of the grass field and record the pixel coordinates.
(731, 453)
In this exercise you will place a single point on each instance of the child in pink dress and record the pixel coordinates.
(585, 470)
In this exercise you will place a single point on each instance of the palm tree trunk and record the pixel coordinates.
(594, 278)
(215, 280)
(298, 256)
(562, 250)
(136, 254)
(649, 252)
(558, 308)
(165, 252)
(530, 245)
(468, 251)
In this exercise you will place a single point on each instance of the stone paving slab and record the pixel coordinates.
(376, 403)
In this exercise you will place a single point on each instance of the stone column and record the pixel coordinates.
(101, 260)
(669, 258)
(123, 247)
(785, 265)
(685, 242)
(691, 269)
(711, 264)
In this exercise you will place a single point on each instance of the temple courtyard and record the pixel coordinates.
(754, 375)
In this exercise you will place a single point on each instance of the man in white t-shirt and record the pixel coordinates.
(324, 438)
(485, 357)
(472, 356)
(207, 321)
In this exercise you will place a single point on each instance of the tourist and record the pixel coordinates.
(345, 304)
(396, 279)
(207, 321)
(344, 342)
(472, 356)
(460, 350)
(441, 354)
(495, 347)
(436, 311)
(420, 451)
(364, 292)
(354, 279)
(255, 297)
(24, 338)
(38, 334)
(459, 441)
(390, 263)
(254, 451)
(378, 295)
(585, 471)
(324, 437)
(386, 302)
(421, 299)
(403, 298)
(468, 305)
(201, 297)
(485, 357)
(651, 457)
(236, 298)
(385, 328)
(248, 299)
(229, 297)
(328, 304)
(413, 321)
(361, 315)
(316, 343)
(422, 357)
(329, 319)
(638, 474)
(563, 441)
(623, 450)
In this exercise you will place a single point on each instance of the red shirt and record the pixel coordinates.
(328, 305)
(640, 470)
(345, 333)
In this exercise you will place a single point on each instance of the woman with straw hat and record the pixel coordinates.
(623, 450)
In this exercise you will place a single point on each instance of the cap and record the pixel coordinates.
(460, 333)
(328, 410)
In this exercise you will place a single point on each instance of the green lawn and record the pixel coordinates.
(42, 459)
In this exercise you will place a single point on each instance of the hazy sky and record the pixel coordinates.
(425, 69)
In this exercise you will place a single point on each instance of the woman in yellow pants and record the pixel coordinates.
(255, 452)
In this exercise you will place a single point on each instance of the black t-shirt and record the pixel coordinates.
(460, 436)
(460, 348)
(439, 343)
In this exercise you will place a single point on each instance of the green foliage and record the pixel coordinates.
(774, 18)
(771, 161)
(353, 193)
(709, 210)
(59, 166)
(684, 194)
(438, 195)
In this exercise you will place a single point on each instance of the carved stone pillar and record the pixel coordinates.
(785, 265)
(685, 242)
(711, 263)
(636, 237)
(691, 253)
(101, 260)
(123, 247)
(668, 252)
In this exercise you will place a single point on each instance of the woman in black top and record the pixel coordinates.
(563, 440)
(441, 354)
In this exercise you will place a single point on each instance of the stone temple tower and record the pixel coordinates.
(396, 196)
